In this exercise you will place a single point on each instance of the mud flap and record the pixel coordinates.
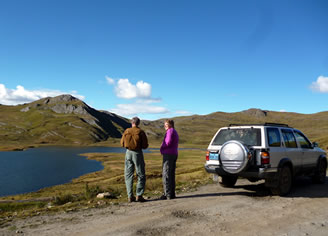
(271, 180)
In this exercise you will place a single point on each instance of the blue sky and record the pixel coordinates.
(157, 59)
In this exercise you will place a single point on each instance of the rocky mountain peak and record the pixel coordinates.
(256, 112)
(99, 125)
(60, 99)
(65, 103)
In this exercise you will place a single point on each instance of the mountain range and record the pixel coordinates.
(58, 120)
(66, 120)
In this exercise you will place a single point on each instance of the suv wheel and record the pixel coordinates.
(284, 182)
(320, 173)
(228, 181)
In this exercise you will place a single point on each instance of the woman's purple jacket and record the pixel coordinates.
(170, 142)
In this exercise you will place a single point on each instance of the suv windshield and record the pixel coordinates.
(248, 136)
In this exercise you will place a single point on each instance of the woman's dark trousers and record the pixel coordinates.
(169, 166)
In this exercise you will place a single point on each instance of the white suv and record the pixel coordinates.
(270, 151)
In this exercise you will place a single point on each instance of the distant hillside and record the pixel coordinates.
(59, 120)
(67, 120)
(199, 129)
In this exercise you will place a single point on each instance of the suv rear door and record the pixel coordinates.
(277, 150)
(292, 151)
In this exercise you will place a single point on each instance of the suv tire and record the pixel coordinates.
(228, 181)
(284, 182)
(320, 173)
(234, 157)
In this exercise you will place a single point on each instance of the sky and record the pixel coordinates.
(161, 59)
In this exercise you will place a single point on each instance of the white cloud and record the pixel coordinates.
(141, 92)
(21, 95)
(321, 85)
(125, 89)
(137, 109)
(110, 80)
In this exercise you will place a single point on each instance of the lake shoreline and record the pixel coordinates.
(112, 143)
(89, 156)
(110, 162)
(34, 169)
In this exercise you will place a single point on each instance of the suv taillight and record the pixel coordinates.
(265, 157)
(207, 156)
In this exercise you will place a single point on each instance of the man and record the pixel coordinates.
(134, 140)
(169, 150)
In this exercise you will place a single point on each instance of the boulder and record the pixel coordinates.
(104, 195)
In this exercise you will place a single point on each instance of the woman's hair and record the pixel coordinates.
(136, 121)
(170, 122)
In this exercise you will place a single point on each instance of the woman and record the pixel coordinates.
(169, 150)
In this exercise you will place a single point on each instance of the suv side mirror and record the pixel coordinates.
(315, 144)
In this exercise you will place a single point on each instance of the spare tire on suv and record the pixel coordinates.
(234, 156)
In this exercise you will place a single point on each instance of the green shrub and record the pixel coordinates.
(61, 200)
(16, 206)
(91, 192)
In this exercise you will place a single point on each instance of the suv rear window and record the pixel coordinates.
(248, 136)
(273, 137)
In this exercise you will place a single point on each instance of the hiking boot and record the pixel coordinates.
(131, 199)
(163, 197)
(140, 199)
(171, 197)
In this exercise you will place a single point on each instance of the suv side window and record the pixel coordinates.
(302, 140)
(273, 137)
(289, 138)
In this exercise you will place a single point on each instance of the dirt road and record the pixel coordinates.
(247, 209)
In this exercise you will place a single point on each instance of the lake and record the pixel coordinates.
(36, 168)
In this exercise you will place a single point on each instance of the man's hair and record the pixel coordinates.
(136, 121)
(170, 122)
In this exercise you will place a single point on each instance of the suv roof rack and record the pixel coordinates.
(275, 124)
(265, 124)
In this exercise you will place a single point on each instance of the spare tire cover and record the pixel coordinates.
(233, 156)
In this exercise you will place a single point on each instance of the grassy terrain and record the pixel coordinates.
(38, 126)
(81, 192)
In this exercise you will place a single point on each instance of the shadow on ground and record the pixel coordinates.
(302, 187)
